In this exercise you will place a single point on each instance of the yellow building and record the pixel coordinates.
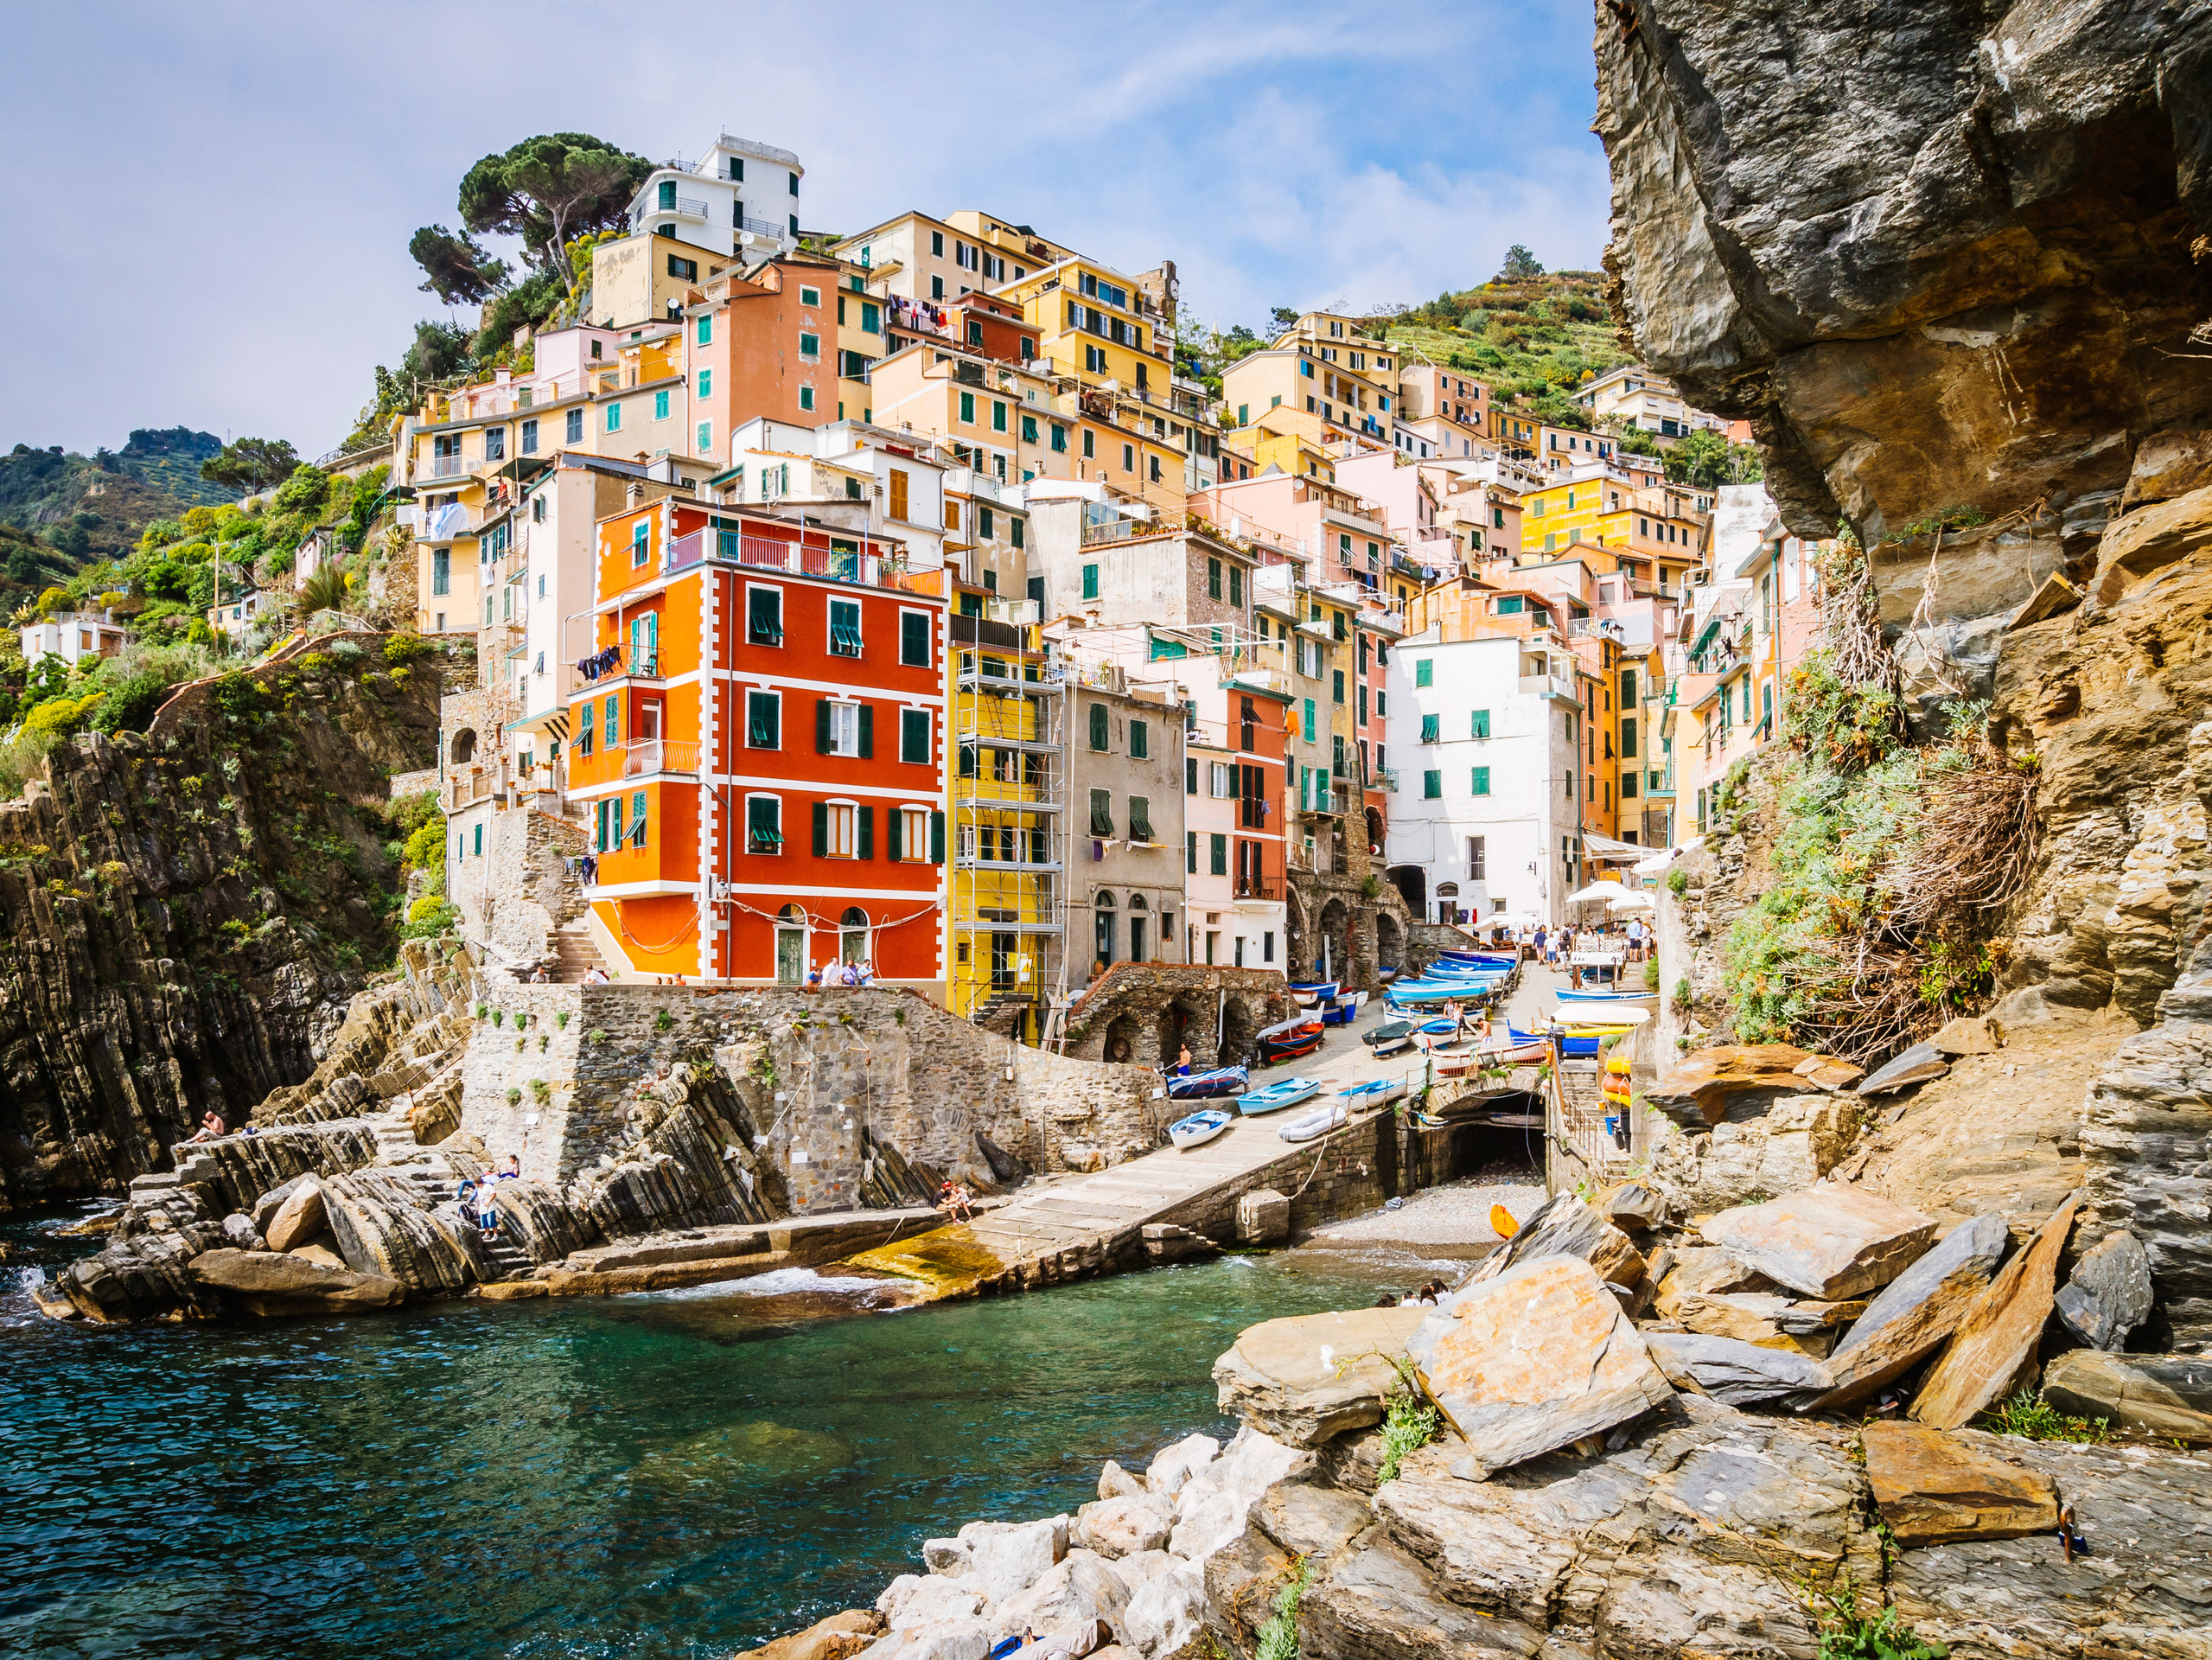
(1324, 368)
(1658, 533)
(642, 278)
(996, 417)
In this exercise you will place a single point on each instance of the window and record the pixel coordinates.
(575, 430)
(898, 505)
(1090, 582)
(1481, 723)
(442, 571)
(614, 417)
(530, 438)
(1059, 437)
(1629, 739)
(871, 317)
(1140, 819)
(913, 633)
(706, 384)
(1337, 681)
(1481, 782)
(810, 345)
(997, 416)
(1627, 785)
(763, 720)
(1014, 531)
(842, 831)
(1101, 812)
(914, 737)
(764, 616)
(1432, 786)
(705, 331)
(1217, 854)
(845, 728)
(637, 819)
(809, 297)
(763, 824)
(1213, 578)
(1224, 780)
(641, 543)
(1510, 605)
(661, 406)
(1101, 728)
(1431, 729)
(1190, 852)
(1089, 452)
(1236, 586)
(845, 628)
(806, 397)
(1424, 672)
(684, 270)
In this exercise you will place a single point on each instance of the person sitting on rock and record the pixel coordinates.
(953, 1201)
(1386, 1300)
(514, 1168)
(211, 1126)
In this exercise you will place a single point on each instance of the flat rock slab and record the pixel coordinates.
(2167, 1396)
(1934, 1487)
(1916, 1312)
(1970, 1034)
(1308, 1378)
(1918, 1064)
(1996, 1340)
(1832, 1242)
(1699, 1093)
(2109, 1293)
(1537, 1358)
(1564, 1226)
(1728, 1368)
(267, 1282)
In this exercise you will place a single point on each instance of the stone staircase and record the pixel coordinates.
(574, 955)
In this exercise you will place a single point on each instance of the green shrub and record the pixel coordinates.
(1849, 727)
(540, 1089)
(403, 648)
(1409, 1423)
(2028, 1415)
(1677, 883)
(429, 917)
(1278, 1637)
(128, 705)
(662, 1020)
(561, 1019)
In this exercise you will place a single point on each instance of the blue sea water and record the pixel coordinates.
(687, 1474)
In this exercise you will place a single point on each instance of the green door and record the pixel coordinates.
(790, 956)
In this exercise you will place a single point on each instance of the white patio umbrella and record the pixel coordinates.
(1633, 901)
(1597, 891)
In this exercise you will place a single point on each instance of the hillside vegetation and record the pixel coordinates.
(1538, 337)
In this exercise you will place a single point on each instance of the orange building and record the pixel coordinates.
(765, 344)
(994, 327)
(760, 748)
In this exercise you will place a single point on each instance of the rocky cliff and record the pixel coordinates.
(184, 913)
(1941, 255)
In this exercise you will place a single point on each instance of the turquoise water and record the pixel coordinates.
(686, 1474)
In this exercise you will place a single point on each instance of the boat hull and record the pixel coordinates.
(1288, 1092)
(1199, 1128)
(1309, 1126)
(1209, 1085)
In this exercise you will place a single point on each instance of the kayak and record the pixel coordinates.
(1199, 1128)
(1306, 1126)
(1284, 1092)
(1209, 1086)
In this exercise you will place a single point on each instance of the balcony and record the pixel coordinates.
(450, 467)
(660, 757)
(1384, 778)
(1549, 686)
(837, 563)
(760, 227)
(1260, 891)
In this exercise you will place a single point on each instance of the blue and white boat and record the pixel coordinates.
(1389, 1037)
(1200, 1127)
(1209, 1085)
(1284, 1092)
(1344, 1010)
(1372, 1093)
(1599, 1002)
(1311, 992)
(1422, 993)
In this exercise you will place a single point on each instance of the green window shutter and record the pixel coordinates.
(1309, 728)
(1431, 786)
(1191, 775)
(894, 831)
(637, 815)
(865, 834)
(1139, 744)
(1101, 813)
(1481, 780)
(914, 736)
(997, 416)
(1424, 672)
(1090, 582)
(1481, 723)
(967, 408)
(1101, 727)
(1236, 585)
(1014, 529)
(914, 639)
(967, 761)
(936, 836)
(821, 725)
(1028, 429)
(1140, 819)
(1431, 728)
(1337, 684)
(867, 731)
(821, 829)
(1629, 739)
(1213, 578)
(1190, 852)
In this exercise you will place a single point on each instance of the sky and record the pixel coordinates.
(213, 202)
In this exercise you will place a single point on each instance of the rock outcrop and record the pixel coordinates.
(183, 913)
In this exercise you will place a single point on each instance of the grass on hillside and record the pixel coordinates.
(1537, 339)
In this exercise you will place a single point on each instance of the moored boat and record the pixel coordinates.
(1200, 1127)
(1307, 1126)
(1209, 1085)
(1273, 1098)
(1373, 1093)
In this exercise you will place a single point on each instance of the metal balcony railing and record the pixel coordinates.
(651, 757)
(760, 227)
(450, 466)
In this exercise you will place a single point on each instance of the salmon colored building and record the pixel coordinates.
(759, 748)
(762, 343)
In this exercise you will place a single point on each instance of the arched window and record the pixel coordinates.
(464, 747)
(791, 946)
(853, 936)
(1104, 928)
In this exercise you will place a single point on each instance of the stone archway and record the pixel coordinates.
(1238, 1028)
(1123, 1034)
(464, 748)
(1412, 882)
(1182, 1022)
(1335, 927)
(1389, 940)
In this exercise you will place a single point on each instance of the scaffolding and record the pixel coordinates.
(1010, 729)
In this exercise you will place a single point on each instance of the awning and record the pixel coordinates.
(1633, 901)
(1599, 891)
(1604, 848)
(1658, 864)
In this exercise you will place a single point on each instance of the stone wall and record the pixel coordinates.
(1131, 1013)
(832, 1083)
(1351, 1171)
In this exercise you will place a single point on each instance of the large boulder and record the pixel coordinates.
(300, 1217)
(2168, 1397)
(1540, 1357)
(1916, 1312)
(1936, 1487)
(1009, 1564)
(1211, 1508)
(1564, 1226)
(2108, 1294)
(1307, 1378)
(1123, 1527)
(269, 1282)
(1166, 1614)
(837, 1637)
(1728, 1080)
(1081, 1587)
(144, 1277)
(1791, 1145)
(1993, 1351)
(1833, 1241)
(1174, 1466)
(1728, 1368)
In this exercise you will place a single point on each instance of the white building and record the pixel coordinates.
(1482, 734)
(1636, 397)
(741, 195)
(72, 634)
(850, 474)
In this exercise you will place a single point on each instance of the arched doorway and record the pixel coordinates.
(1121, 1039)
(464, 748)
(853, 936)
(1412, 882)
(1389, 940)
(1102, 929)
(1333, 950)
(1375, 832)
(1237, 1029)
(790, 947)
(1447, 901)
